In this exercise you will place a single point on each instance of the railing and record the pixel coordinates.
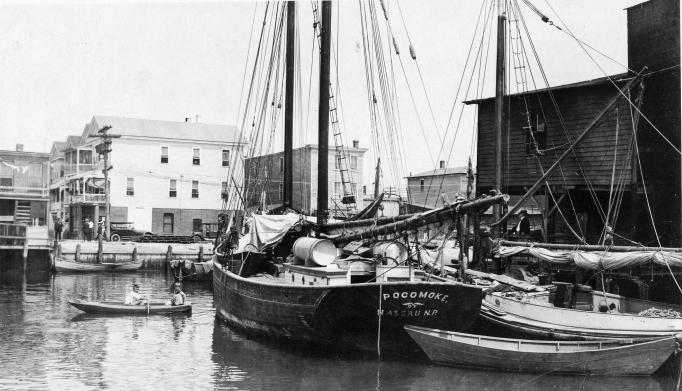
(12, 234)
(82, 168)
(24, 191)
(88, 198)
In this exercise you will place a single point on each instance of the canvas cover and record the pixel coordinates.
(595, 260)
(266, 230)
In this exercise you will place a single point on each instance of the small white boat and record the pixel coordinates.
(606, 358)
(62, 265)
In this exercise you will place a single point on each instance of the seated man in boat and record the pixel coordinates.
(134, 298)
(178, 296)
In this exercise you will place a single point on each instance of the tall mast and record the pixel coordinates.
(499, 106)
(323, 114)
(289, 106)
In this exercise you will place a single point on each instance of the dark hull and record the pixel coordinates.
(93, 307)
(344, 317)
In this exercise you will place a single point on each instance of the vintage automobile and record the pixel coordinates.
(208, 231)
(126, 231)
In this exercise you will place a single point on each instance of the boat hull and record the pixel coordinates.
(607, 358)
(61, 265)
(112, 308)
(564, 323)
(365, 317)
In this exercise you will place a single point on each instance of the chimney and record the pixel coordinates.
(20, 147)
(356, 143)
(442, 164)
(188, 119)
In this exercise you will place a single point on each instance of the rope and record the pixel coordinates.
(379, 314)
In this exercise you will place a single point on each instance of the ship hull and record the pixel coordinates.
(366, 317)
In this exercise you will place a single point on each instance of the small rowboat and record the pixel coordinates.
(607, 357)
(62, 265)
(99, 307)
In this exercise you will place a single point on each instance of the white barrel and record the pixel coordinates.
(395, 250)
(314, 252)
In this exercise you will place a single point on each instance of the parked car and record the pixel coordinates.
(208, 231)
(125, 231)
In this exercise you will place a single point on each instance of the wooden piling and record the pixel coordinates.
(201, 254)
(78, 252)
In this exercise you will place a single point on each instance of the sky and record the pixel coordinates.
(63, 62)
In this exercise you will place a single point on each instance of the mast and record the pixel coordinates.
(499, 106)
(289, 106)
(323, 114)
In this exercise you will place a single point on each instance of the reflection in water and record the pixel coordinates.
(46, 344)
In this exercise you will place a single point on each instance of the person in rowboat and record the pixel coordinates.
(178, 296)
(134, 298)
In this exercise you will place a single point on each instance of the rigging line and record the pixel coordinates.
(402, 169)
(562, 122)
(421, 77)
(615, 85)
(246, 61)
(387, 105)
(459, 86)
(479, 87)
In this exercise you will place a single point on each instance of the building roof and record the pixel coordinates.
(585, 83)
(440, 171)
(149, 128)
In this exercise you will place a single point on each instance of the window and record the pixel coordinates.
(364, 190)
(281, 192)
(281, 164)
(130, 186)
(337, 161)
(226, 157)
(337, 189)
(536, 131)
(353, 188)
(6, 176)
(168, 223)
(223, 190)
(196, 225)
(196, 158)
(173, 188)
(354, 162)
(164, 154)
(84, 156)
(421, 185)
(195, 189)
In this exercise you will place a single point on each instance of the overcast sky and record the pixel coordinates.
(62, 63)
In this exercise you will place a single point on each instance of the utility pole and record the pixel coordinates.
(103, 149)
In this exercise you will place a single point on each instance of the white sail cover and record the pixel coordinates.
(266, 230)
(595, 260)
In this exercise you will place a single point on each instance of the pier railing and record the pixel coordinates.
(12, 234)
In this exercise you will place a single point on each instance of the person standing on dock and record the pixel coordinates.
(134, 298)
(89, 228)
(58, 227)
(523, 228)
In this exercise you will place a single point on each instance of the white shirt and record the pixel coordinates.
(133, 298)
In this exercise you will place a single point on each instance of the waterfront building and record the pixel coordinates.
(537, 132)
(264, 179)
(23, 187)
(429, 188)
(166, 177)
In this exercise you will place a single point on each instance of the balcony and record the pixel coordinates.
(83, 168)
(88, 199)
(19, 191)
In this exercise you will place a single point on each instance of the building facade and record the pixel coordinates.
(264, 179)
(426, 189)
(24, 187)
(604, 169)
(166, 177)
